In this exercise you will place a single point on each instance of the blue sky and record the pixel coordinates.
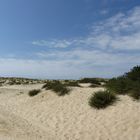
(69, 38)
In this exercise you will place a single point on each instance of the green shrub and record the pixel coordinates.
(44, 86)
(102, 99)
(72, 84)
(134, 74)
(57, 87)
(34, 92)
(135, 94)
(61, 91)
(129, 83)
(120, 85)
(135, 90)
(89, 80)
(94, 85)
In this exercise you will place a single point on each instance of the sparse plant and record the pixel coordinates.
(119, 85)
(44, 86)
(94, 85)
(135, 91)
(90, 80)
(129, 83)
(134, 74)
(72, 84)
(102, 99)
(34, 92)
(135, 95)
(57, 87)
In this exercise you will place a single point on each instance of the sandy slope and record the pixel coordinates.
(49, 117)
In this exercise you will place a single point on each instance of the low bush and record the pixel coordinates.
(57, 87)
(135, 94)
(90, 80)
(129, 83)
(119, 85)
(34, 92)
(94, 85)
(72, 84)
(44, 86)
(135, 91)
(102, 99)
(134, 74)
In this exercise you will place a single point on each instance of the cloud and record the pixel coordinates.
(92, 57)
(70, 64)
(120, 32)
(111, 47)
(53, 43)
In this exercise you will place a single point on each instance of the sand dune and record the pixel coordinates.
(49, 117)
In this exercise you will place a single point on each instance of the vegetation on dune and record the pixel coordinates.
(119, 85)
(129, 83)
(44, 86)
(95, 85)
(57, 87)
(34, 92)
(72, 84)
(19, 81)
(135, 91)
(134, 74)
(90, 80)
(102, 99)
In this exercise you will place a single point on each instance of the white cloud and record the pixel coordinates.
(120, 32)
(92, 57)
(72, 64)
(96, 55)
(53, 43)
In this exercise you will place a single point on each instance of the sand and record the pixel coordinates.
(49, 117)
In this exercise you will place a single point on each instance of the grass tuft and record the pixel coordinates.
(34, 92)
(72, 84)
(102, 99)
(57, 87)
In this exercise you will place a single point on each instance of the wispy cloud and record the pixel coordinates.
(90, 57)
(53, 43)
(73, 64)
(120, 32)
(111, 47)
(107, 47)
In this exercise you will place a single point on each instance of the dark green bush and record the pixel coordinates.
(102, 99)
(129, 83)
(34, 92)
(120, 85)
(135, 94)
(134, 74)
(135, 91)
(94, 85)
(44, 86)
(89, 80)
(72, 84)
(57, 87)
(61, 91)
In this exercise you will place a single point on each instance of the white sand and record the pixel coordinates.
(49, 117)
